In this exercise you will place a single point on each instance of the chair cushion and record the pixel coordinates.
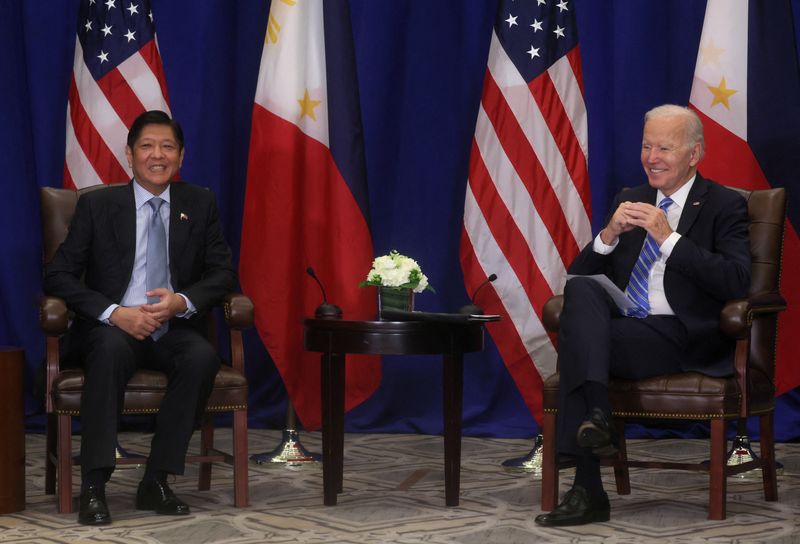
(146, 389)
(688, 395)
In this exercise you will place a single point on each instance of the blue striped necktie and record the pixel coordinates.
(638, 290)
(156, 264)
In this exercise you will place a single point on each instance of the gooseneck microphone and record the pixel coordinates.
(472, 308)
(324, 310)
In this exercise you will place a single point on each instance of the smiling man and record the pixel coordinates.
(678, 246)
(141, 265)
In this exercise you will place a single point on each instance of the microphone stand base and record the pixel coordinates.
(290, 452)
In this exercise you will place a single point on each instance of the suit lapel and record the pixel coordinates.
(124, 226)
(180, 223)
(694, 203)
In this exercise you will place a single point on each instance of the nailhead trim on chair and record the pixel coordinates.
(665, 415)
(226, 408)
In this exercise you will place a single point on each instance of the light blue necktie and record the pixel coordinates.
(638, 290)
(156, 265)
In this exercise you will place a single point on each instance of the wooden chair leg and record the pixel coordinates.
(206, 444)
(241, 492)
(717, 477)
(64, 468)
(621, 472)
(50, 456)
(768, 458)
(549, 463)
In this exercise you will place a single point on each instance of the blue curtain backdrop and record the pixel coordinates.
(421, 67)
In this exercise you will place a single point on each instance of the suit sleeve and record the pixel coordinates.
(588, 260)
(722, 271)
(64, 274)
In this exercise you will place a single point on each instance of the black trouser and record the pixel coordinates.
(595, 342)
(109, 359)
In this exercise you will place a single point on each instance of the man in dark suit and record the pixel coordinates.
(678, 246)
(141, 264)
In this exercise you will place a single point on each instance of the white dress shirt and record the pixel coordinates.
(655, 286)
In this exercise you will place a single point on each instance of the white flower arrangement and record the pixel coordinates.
(399, 271)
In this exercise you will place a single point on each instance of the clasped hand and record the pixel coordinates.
(630, 215)
(141, 321)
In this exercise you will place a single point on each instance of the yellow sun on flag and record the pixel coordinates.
(273, 26)
(307, 106)
(721, 94)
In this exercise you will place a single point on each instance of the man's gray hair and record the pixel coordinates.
(693, 124)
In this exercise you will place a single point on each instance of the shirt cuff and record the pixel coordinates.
(669, 244)
(600, 247)
(190, 309)
(104, 317)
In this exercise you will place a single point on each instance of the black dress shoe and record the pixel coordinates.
(577, 508)
(93, 509)
(599, 434)
(155, 495)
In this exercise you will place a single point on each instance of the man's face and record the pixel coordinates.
(668, 160)
(155, 157)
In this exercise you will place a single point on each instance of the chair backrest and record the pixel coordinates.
(766, 209)
(58, 207)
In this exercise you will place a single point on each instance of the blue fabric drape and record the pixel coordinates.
(421, 67)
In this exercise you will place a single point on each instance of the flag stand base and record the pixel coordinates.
(741, 453)
(290, 451)
(530, 463)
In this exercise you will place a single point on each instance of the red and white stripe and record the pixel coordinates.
(99, 114)
(527, 207)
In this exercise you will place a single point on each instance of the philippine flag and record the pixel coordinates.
(306, 200)
(747, 91)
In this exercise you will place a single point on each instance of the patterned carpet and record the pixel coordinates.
(394, 493)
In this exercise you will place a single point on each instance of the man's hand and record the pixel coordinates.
(649, 217)
(619, 223)
(168, 306)
(637, 214)
(134, 321)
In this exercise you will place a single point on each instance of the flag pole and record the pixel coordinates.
(290, 451)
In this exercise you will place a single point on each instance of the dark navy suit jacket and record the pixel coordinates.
(708, 266)
(93, 266)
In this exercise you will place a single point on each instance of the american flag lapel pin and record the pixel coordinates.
(184, 217)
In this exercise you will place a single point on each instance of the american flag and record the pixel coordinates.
(117, 74)
(527, 207)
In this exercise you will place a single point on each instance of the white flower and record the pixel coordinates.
(423, 283)
(395, 270)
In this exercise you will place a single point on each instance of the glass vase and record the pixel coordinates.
(395, 298)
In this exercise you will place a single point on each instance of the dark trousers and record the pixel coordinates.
(109, 359)
(595, 341)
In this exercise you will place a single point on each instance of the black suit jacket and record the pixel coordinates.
(93, 266)
(708, 266)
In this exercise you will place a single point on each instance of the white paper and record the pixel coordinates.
(619, 298)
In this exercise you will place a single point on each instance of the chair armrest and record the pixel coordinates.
(551, 313)
(53, 316)
(238, 310)
(737, 315)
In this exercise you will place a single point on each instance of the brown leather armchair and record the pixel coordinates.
(752, 322)
(145, 389)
